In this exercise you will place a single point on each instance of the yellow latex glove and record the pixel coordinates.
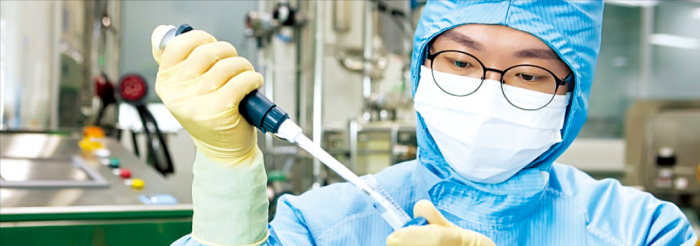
(439, 231)
(201, 81)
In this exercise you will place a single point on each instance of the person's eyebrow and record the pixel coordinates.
(464, 40)
(537, 53)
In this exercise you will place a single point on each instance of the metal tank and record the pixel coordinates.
(663, 149)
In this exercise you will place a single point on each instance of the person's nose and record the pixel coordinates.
(493, 75)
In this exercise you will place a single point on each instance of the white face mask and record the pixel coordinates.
(482, 136)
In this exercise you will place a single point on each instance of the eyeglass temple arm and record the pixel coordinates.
(566, 81)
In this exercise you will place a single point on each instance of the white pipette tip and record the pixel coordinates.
(289, 131)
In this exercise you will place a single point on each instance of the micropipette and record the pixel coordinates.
(266, 116)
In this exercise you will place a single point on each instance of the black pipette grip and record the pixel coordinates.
(255, 107)
(183, 29)
(261, 112)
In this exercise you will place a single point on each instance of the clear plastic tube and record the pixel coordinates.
(387, 207)
(332, 163)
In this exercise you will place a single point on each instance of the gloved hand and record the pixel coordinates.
(439, 231)
(201, 81)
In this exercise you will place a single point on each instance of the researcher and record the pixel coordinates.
(501, 89)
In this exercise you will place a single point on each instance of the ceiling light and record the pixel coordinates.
(634, 3)
(674, 41)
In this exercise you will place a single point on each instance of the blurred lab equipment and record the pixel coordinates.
(663, 149)
(68, 188)
(84, 190)
(370, 147)
(376, 47)
(380, 34)
(133, 89)
(104, 90)
(369, 50)
(49, 59)
(271, 26)
(264, 25)
(384, 132)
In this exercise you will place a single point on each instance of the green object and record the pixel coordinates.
(114, 162)
(276, 175)
(95, 228)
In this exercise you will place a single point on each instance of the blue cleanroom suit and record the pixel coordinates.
(544, 204)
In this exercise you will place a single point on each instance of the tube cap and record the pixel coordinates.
(420, 221)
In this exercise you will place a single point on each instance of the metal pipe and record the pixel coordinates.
(264, 57)
(318, 87)
(298, 32)
(268, 57)
(393, 141)
(353, 129)
(305, 55)
(368, 35)
(90, 63)
(645, 51)
(55, 72)
(2, 103)
(341, 16)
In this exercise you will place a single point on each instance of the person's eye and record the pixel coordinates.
(461, 64)
(527, 77)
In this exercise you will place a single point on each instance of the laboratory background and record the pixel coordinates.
(90, 156)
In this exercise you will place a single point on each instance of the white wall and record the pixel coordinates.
(223, 19)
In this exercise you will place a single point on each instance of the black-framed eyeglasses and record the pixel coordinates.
(513, 79)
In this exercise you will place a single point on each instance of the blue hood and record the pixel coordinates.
(572, 29)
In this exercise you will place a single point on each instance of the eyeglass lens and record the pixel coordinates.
(525, 86)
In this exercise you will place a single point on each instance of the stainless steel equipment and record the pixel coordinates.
(663, 149)
(54, 187)
(49, 60)
(69, 172)
(370, 147)
(34, 156)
